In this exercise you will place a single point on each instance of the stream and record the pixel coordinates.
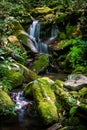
(26, 117)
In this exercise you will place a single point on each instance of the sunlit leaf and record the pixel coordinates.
(73, 111)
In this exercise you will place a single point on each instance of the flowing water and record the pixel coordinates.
(26, 117)
(35, 36)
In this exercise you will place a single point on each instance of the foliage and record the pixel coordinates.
(6, 104)
(73, 111)
(4, 67)
(5, 84)
(3, 53)
(77, 53)
(19, 53)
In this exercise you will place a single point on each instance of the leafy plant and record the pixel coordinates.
(73, 110)
(19, 53)
(5, 84)
(77, 53)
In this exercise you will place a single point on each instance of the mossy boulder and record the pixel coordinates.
(28, 74)
(15, 78)
(48, 112)
(6, 104)
(45, 99)
(11, 74)
(41, 11)
(23, 36)
(40, 64)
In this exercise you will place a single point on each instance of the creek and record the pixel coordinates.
(26, 116)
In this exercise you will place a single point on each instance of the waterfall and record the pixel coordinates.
(54, 31)
(34, 33)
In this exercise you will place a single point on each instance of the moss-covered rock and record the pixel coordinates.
(45, 99)
(28, 74)
(23, 36)
(59, 83)
(6, 104)
(15, 78)
(40, 63)
(41, 11)
(48, 112)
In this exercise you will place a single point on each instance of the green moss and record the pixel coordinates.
(59, 83)
(62, 35)
(15, 78)
(40, 64)
(83, 92)
(48, 112)
(45, 99)
(43, 10)
(6, 104)
(80, 70)
(28, 89)
(42, 90)
(27, 73)
(63, 43)
(16, 27)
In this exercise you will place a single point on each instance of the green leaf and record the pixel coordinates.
(71, 100)
(73, 110)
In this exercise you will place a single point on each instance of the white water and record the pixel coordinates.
(34, 32)
(20, 100)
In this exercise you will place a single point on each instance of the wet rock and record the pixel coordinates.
(76, 82)
(23, 36)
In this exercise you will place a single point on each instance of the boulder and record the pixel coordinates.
(45, 99)
(23, 36)
(40, 64)
(76, 81)
(6, 104)
(28, 74)
(15, 78)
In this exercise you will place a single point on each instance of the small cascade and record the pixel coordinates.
(19, 100)
(35, 32)
(54, 31)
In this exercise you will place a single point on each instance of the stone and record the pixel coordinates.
(6, 104)
(76, 81)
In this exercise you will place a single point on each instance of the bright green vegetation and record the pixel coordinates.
(68, 53)
(40, 63)
(46, 103)
(6, 105)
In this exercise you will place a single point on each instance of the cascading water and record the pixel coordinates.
(35, 31)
